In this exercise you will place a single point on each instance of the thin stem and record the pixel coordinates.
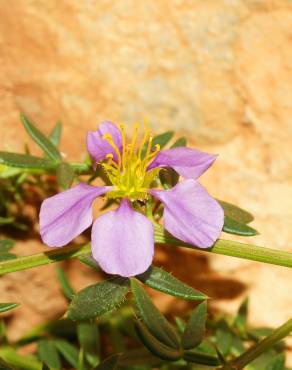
(256, 350)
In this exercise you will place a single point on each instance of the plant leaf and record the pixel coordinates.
(154, 345)
(97, 299)
(277, 363)
(55, 135)
(241, 318)
(109, 363)
(7, 256)
(223, 338)
(232, 226)
(153, 319)
(163, 281)
(160, 140)
(65, 175)
(6, 245)
(66, 286)
(182, 141)
(26, 161)
(7, 306)
(45, 143)
(88, 335)
(195, 328)
(237, 213)
(201, 358)
(68, 351)
(5, 366)
(48, 354)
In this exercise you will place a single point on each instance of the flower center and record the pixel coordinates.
(129, 174)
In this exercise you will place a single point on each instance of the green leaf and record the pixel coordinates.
(5, 366)
(154, 320)
(66, 286)
(223, 338)
(154, 345)
(241, 318)
(48, 354)
(277, 363)
(236, 213)
(6, 245)
(109, 364)
(68, 351)
(45, 143)
(232, 226)
(201, 358)
(195, 328)
(55, 135)
(26, 161)
(7, 256)
(65, 175)
(98, 299)
(7, 306)
(182, 141)
(88, 335)
(163, 281)
(6, 220)
(45, 367)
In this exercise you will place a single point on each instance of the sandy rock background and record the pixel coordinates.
(218, 71)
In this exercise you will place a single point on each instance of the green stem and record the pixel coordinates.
(224, 247)
(256, 350)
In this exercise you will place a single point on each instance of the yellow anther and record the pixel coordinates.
(110, 155)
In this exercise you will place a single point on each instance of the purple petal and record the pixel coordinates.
(98, 147)
(67, 214)
(123, 241)
(191, 214)
(189, 163)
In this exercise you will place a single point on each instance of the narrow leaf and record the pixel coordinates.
(182, 141)
(241, 318)
(68, 351)
(48, 147)
(6, 245)
(162, 139)
(65, 175)
(154, 345)
(154, 320)
(223, 338)
(163, 281)
(5, 366)
(45, 367)
(232, 226)
(66, 286)
(7, 256)
(25, 161)
(237, 213)
(48, 354)
(7, 306)
(109, 364)
(97, 299)
(55, 135)
(88, 335)
(277, 363)
(195, 328)
(201, 358)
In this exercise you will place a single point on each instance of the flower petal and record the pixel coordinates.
(67, 214)
(98, 147)
(189, 163)
(191, 214)
(123, 241)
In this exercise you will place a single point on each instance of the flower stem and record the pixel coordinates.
(224, 247)
(256, 350)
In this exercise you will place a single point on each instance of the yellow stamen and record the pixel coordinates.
(109, 139)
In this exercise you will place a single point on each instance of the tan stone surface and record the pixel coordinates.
(218, 71)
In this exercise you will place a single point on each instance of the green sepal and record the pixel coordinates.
(26, 161)
(154, 345)
(232, 226)
(68, 351)
(46, 144)
(152, 317)
(65, 175)
(97, 299)
(163, 281)
(48, 353)
(55, 135)
(182, 141)
(67, 289)
(109, 363)
(4, 307)
(201, 358)
(195, 328)
(235, 212)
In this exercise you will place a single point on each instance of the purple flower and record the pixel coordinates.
(123, 239)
